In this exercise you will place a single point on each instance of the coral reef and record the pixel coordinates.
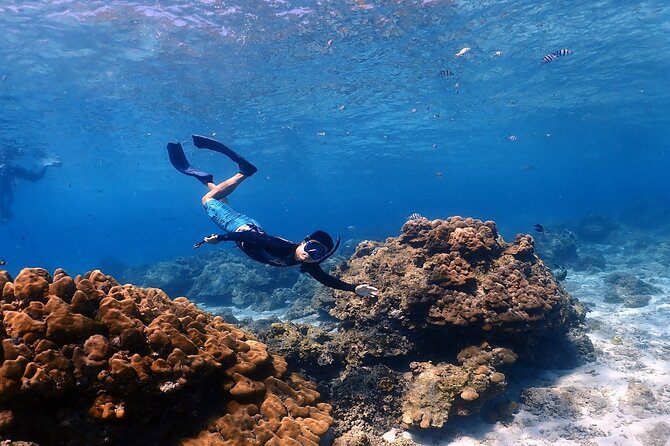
(458, 274)
(457, 307)
(97, 362)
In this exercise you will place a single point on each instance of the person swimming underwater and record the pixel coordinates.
(247, 233)
(11, 171)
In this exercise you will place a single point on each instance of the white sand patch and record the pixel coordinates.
(244, 313)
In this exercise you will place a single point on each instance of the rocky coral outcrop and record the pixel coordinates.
(457, 306)
(140, 367)
(458, 274)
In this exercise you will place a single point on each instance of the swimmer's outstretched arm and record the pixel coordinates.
(262, 238)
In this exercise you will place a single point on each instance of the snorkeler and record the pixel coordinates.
(9, 172)
(247, 233)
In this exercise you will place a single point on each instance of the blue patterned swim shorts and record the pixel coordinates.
(226, 217)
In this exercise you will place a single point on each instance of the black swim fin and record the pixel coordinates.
(179, 161)
(202, 142)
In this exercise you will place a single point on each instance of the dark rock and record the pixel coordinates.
(595, 228)
(628, 290)
(639, 399)
(559, 247)
(591, 261)
(659, 435)
(569, 402)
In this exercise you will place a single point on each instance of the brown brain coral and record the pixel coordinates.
(75, 350)
(436, 392)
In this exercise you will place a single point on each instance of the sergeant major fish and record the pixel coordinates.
(559, 272)
(555, 55)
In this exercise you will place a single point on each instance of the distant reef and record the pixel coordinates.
(220, 277)
(223, 277)
(459, 308)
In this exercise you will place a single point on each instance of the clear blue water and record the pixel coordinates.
(342, 107)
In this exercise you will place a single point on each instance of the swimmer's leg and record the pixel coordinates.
(222, 190)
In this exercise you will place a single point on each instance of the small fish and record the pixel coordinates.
(498, 53)
(438, 174)
(446, 72)
(555, 55)
(462, 51)
(539, 228)
(511, 137)
(3, 262)
(415, 216)
(526, 168)
(559, 272)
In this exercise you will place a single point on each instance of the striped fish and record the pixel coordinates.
(555, 55)
(415, 216)
(446, 72)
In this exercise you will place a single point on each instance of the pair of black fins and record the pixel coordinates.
(179, 161)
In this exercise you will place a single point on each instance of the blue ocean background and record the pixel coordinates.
(343, 106)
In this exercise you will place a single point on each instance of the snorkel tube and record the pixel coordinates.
(331, 252)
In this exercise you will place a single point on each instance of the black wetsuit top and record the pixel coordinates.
(276, 251)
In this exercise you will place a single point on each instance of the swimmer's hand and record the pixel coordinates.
(211, 239)
(366, 290)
